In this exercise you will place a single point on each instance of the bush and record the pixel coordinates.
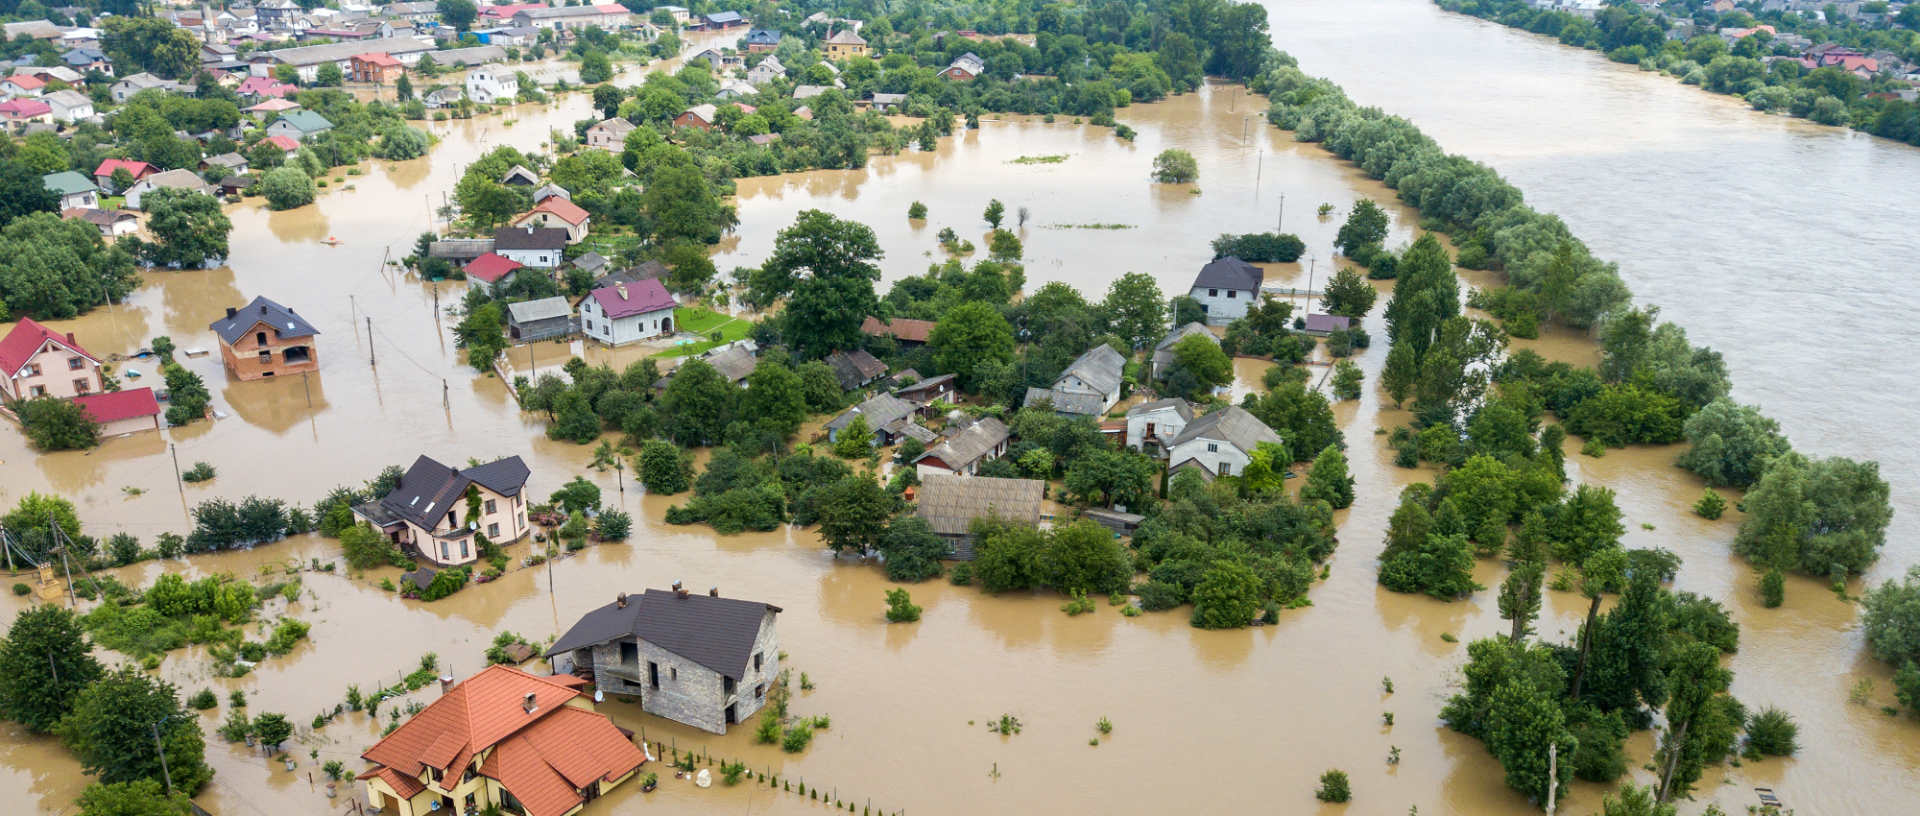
(203, 700)
(1175, 167)
(917, 211)
(1334, 787)
(1710, 506)
(23, 589)
(900, 608)
(1773, 589)
(286, 188)
(797, 738)
(1771, 732)
(54, 424)
(200, 472)
(962, 576)
(1260, 247)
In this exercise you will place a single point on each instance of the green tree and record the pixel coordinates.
(697, 404)
(774, 398)
(52, 268)
(482, 334)
(970, 334)
(1135, 309)
(1697, 706)
(1107, 477)
(664, 468)
(139, 43)
(482, 198)
(55, 424)
(1366, 226)
(1602, 572)
(595, 68)
(45, 661)
(111, 731)
(140, 797)
(403, 89)
(821, 387)
(1522, 718)
(855, 441)
(854, 514)
(827, 306)
(1731, 444)
(1520, 596)
(995, 212)
(1441, 566)
(1634, 800)
(401, 142)
(1349, 295)
(1228, 596)
(189, 231)
(1006, 554)
(1328, 480)
(1824, 517)
(1347, 380)
(458, 13)
(22, 193)
(286, 188)
(1400, 373)
(900, 609)
(1892, 619)
(273, 729)
(328, 75)
(1426, 296)
(1175, 166)
(1085, 558)
(913, 551)
(1201, 356)
(366, 547)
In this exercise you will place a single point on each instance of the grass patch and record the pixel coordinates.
(704, 322)
(1040, 159)
(1089, 226)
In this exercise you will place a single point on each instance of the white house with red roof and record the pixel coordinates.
(119, 413)
(491, 270)
(23, 85)
(39, 362)
(506, 738)
(627, 312)
(103, 176)
(287, 143)
(555, 211)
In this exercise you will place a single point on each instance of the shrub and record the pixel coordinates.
(917, 211)
(1079, 604)
(200, 472)
(203, 700)
(962, 576)
(900, 609)
(1771, 732)
(1710, 506)
(1260, 247)
(1175, 167)
(1773, 589)
(797, 738)
(23, 589)
(286, 188)
(1334, 787)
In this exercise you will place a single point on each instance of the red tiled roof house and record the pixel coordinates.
(38, 362)
(123, 412)
(559, 213)
(138, 169)
(527, 744)
(491, 270)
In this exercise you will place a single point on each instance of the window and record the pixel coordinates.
(1213, 293)
(1232, 294)
(74, 363)
(37, 391)
(33, 370)
(260, 338)
(1213, 448)
(653, 669)
(756, 661)
(673, 672)
(493, 530)
(760, 692)
(82, 385)
(443, 551)
(266, 356)
(463, 548)
(1226, 468)
(490, 507)
(726, 686)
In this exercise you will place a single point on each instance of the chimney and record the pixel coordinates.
(529, 229)
(263, 308)
(623, 290)
(620, 601)
(527, 703)
(713, 592)
(676, 586)
(71, 341)
(231, 312)
(678, 591)
(396, 482)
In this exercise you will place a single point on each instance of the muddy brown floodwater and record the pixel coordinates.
(1239, 721)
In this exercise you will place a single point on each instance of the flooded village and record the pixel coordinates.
(637, 667)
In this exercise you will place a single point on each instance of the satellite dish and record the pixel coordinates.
(599, 696)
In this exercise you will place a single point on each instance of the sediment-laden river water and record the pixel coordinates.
(1240, 721)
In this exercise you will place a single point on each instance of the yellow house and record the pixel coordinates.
(844, 44)
(555, 211)
(531, 745)
(439, 511)
(39, 362)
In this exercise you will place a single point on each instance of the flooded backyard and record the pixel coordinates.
(1233, 721)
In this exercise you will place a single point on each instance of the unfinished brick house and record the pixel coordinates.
(266, 339)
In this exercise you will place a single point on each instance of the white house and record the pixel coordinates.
(75, 191)
(488, 84)
(1090, 385)
(1219, 444)
(69, 105)
(1226, 288)
(767, 71)
(125, 89)
(1152, 426)
(172, 179)
(610, 134)
(627, 313)
(538, 247)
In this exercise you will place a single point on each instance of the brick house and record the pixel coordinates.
(702, 660)
(381, 68)
(266, 339)
(38, 362)
(428, 511)
(698, 116)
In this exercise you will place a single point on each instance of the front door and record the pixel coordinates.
(730, 716)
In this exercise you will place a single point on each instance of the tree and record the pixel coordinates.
(595, 68)
(1135, 309)
(1228, 596)
(1602, 572)
(1521, 719)
(854, 513)
(481, 334)
(1892, 619)
(679, 204)
(111, 731)
(22, 193)
(1441, 566)
(821, 386)
(1366, 226)
(818, 245)
(189, 230)
(401, 142)
(607, 99)
(1347, 379)
(664, 468)
(1731, 444)
(1328, 480)
(1334, 787)
(824, 314)
(900, 607)
(45, 661)
(403, 89)
(1687, 746)
(1187, 310)
(1520, 596)
(140, 797)
(774, 398)
(149, 44)
(366, 547)
(1201, 356)
(1425, 298)
(697, 404)
(1634, 800)
(1175, 167)
(53, 268)
(55, 424)
(1400, 373)
(912, 550)
(328, 75)
(273, 729)
(855, 441)
(1085, 558)
(286, 188)
(1260, 247)
(995, 212)
(970, 334)
(1824, 517)
(576, 496)
(458, 13)
(1107, 477)
(1349, 295)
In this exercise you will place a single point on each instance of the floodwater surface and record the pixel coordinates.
(1237, 721)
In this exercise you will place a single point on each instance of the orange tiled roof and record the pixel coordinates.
(566, 210)
(407, 786)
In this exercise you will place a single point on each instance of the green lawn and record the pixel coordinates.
(704, 322)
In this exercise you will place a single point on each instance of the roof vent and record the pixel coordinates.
(528, 704)
(623, 290)
(263, 308)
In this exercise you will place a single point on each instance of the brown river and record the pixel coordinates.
(1240, 721)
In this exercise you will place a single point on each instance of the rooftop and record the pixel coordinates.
(112, 406)
(912, 331)
(490, 267)
(951, 503)
(715, 632)
(262, 310)
(626, 300)
(1230, 273)
(25, 340)
(1232, 425)
(969, 445)
(428, 490)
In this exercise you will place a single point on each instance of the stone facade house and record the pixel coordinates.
(950, 504)
(38, 362)
(1226, 288)
(1219, 444)
(962, 453)
(627, 313)
(266, 339)
(502, 740)
(428, 512)
(1152, 426)
(702, 660)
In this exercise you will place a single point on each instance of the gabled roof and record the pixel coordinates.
(428, 490)
(879, 409)
(27, 82)
(305, 121)
(262, 310)
(704, 113)
(734, 361)
(530, 238)
(647, 270)
(490, 267)
(112, 406)
(923, 384)
(912, 331)
(976, 441)
(950, 503)
(1232, 425)
(616, 125)
(24, 108)
(1175, 336)
(562, 209)
(846, 36)
(626, 300)
(382, 60)
(282, 142)
(1066, 402)
(1326, 323)
(1176, 404)
(528, 311)
(25, 340)
(523, 175)
(760, 36)
(181, 179)
(1101, 367)
(1230, 273)
(68, 182)
(855, 368)
(715, 632)
(135, 168)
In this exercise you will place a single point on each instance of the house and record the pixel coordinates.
(445, 97)
(887, 101)
(215, 53)
(119, 413)
(1163, 359)
(124, 90)
(490, 271)
(69, 106)
(171, 180)
(559, 213)
(87, 59)
(541, 319)
(622, 313)
(228, 164)
(23, 85)
(286, 143)
(374, 67)
(550, 190)
(760, 40)
(24, 111)
(1090, 385)
(234, 185)
(501, 739)
(307, 59)
(438, 511)
(1226, 288)
(950, 504)
(505, 11)
(764, 139)
(698, 116)
(33, 30)
(75, 190)
(723, 20)
(1320, 325)
(906, 333)
(610, 134)
(488, 85)
(270, 89)
(573, 18)
(423, 12)
(460, 251)
(519, 176)
(766, 71)
(733, 361)
(538, 247)
(702, 660)
(735, 89)
(590, 262)
(845, 44)
(678, 13)
(111, 223)
(647, 270)
(52, 72)
(963, 453)
(1220, 443)
(810, 91)
(856, 368)
(715, 60)
(1152, 426)
(266, 339)
(38, 362)
(299, 124)
(964, 67)
(930, 389)
(888, 418)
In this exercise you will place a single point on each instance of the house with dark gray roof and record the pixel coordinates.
(950, 503)
(963, 453)
(1226, 287)
(1090, 385)
(265, 339)
(541, 319)
(430, 515)
(1221, 443)
(702, 660)
(538, 247)
(856, 368)
(890, 418)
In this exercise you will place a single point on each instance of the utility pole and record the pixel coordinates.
(446, 400)
(1553, 775)
(370, 360)
(157, 747)
(1311, 262)
(181, 483)
(8, 546)
(436, 301)
(1278, 225)
(303, 384)
(72, 602)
